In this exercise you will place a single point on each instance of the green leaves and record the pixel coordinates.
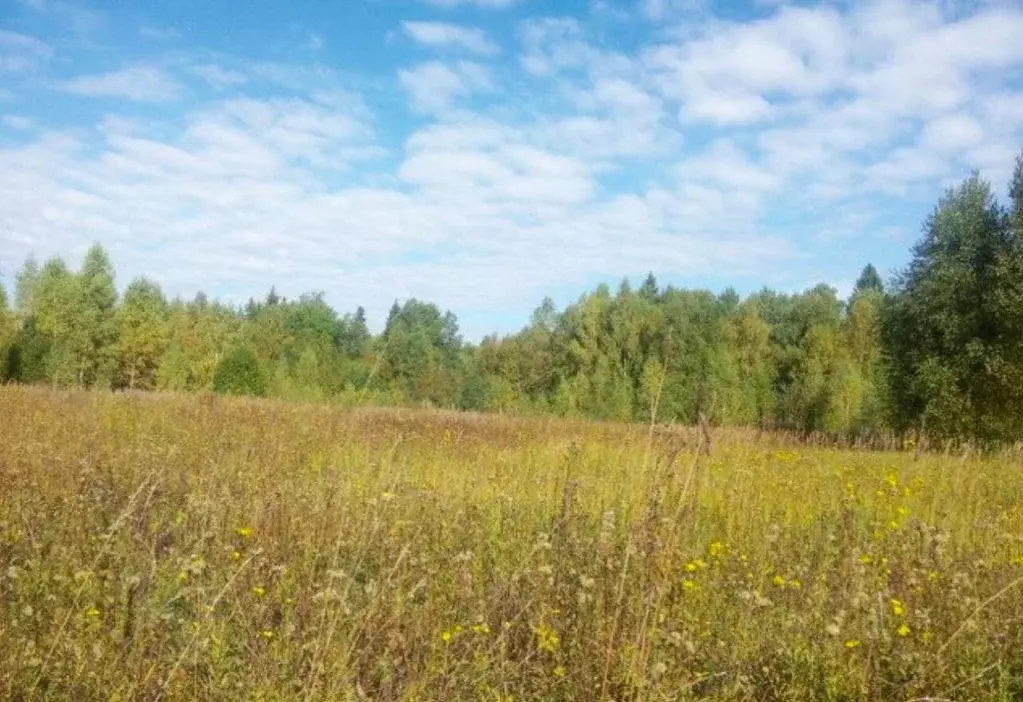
(952, 325)
(239, 373)
(142, 332)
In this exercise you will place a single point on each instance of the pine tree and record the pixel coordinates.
(869, 281)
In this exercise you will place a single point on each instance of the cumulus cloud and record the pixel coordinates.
(17, 122)
(443, 34)
(433, 86)
(21, 52)
(220, 77)
(135, 83)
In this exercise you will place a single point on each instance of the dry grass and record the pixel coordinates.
(187, 548)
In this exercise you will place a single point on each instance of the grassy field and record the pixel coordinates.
(191, 548)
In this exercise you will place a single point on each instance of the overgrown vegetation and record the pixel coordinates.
(940, 352)
(178, 547)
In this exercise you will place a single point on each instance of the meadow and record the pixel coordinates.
(187, 547)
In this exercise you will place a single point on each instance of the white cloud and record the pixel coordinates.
(20, 52)
(243, 197)
(659, 10)
(952, 132)
(17, 122)
(135, 83)
(725, 164)
(904, 167)
(82, 22)
(836, 88)
(220, 77)
(433, 86)
(484, 161)
(733, 73)
(554, 44)
(443, 34)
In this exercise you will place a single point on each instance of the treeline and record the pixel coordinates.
(939, 349)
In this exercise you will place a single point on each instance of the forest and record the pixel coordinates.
(935, 350)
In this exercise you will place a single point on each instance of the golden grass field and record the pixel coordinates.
(180, 547)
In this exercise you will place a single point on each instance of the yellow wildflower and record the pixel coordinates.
(446, 636)
(779, 581)
(548, 638)
(897, 608)
(244, 532)
(92, 612)
(560, 671)
(259, 591)
(267, 634)
(852, 643)
(903, 629)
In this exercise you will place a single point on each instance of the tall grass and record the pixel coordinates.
(165, 547)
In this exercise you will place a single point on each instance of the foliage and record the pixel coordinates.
(142, 333)
(240, 373)
(952, 322)
(8, 330)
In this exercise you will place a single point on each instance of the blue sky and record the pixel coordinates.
(482, 154)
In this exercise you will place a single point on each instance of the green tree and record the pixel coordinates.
(98, 356)
(648, 290)
(77, 313)
(142, 333)
(952, 339)
(747, 342)
(8, 329)
(26, 282)
(308, 375)
(200, 332)
(61, 316)
(421, 352)
(869, 281)
(240, 373)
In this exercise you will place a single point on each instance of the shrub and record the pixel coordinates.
(239, 373)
